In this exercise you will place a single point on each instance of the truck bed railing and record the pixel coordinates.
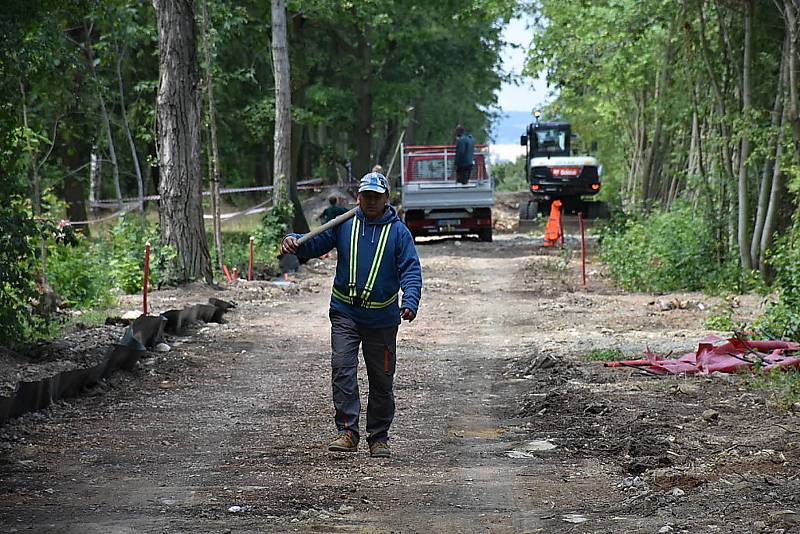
(435, 164)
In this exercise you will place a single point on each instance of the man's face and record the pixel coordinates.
(372, 203)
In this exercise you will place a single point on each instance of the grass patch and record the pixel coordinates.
(603, 355)
(785, 386)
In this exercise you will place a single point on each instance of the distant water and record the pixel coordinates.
(509, 126)
(505, 134)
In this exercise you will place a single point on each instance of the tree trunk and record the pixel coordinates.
(298, 100)
(178, 124)
(73, 152)
(34, 178)
(364, 113)
(214, 149)
(727, 157)
(392, 131)
(775, 197)
(790, 15)
(112, 153)
(283, 103)
(776, 188)
(411, 129)
(127, 128)
(769, 163)
(95, 178)
(650, 167)
(744, 207)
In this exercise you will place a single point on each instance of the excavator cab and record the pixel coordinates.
(547, 139)
(555, 171)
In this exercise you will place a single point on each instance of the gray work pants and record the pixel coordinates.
(379, 348)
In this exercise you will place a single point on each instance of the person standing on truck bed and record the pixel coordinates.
(465, 152)
(376, 258)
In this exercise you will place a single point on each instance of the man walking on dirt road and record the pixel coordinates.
(376, 258)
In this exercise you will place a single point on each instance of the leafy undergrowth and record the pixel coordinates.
(667, 251)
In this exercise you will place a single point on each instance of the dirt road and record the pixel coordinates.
(501, 425)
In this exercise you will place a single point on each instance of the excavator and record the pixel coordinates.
(555, 171)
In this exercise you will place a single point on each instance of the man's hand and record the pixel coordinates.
(289, 245)
(407, 314)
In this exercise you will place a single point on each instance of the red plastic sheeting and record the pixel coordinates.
(715, 354)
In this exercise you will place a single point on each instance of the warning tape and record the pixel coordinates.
(305, 184)
(224, 217)
(133, 203)
(62, 223)
(258, 208)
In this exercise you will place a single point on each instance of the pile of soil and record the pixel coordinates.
(316, 204)
(78, 348)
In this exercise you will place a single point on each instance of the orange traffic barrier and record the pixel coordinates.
(552, 232)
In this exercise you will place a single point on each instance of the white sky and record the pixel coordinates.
(530, 94)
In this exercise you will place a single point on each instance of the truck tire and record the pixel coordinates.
(528, 210)
(485, 235)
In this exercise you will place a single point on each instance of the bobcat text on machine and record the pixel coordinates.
(434, 203)
(554, 171)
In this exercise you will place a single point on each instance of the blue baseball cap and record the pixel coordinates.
(374, 181)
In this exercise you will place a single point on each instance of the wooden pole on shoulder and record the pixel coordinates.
(330, 224)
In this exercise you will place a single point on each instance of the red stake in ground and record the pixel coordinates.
(583, 248)
(146, 275)
(250, 270)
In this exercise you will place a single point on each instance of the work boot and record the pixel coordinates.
(344, 442)
(379, 449)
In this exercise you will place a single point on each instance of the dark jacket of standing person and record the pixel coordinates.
(398, 269)
(332, 211)
(465, 148)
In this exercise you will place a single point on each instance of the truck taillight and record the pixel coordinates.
(595, 187)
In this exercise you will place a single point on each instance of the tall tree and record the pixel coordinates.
(283, 102)
(747, 103)
(213, 150)
(178, 126)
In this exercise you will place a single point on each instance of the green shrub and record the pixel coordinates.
(76, 272)
(275, 224)
(721, 321)
(666, 251)
(781, 318)
(123, 254)
(17, 268)
(510, 176)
